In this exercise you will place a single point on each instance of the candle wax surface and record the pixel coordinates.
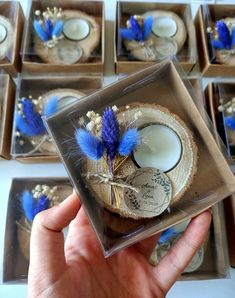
(164, 27)
(160, 148)
(76, 29)
(3, 33)
(65, 101)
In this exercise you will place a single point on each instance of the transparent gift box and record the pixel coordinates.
(134, 195)
(11, 29)
(7, 99)
(64, 36)
(37, 96)
(46, 192)
(214, 26)
(149, 32)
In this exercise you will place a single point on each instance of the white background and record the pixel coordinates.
(8, 169)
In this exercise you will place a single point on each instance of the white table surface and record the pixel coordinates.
(224, 288)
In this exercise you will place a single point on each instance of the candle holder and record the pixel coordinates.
(30, 141)
(151, 33)
(65, 37)
(107, 129)
(26, 197)
(11, 28)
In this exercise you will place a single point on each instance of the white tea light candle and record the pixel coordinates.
(3, 33)
(65, 101)
(76, 29)
(164, 27)
(160, 148)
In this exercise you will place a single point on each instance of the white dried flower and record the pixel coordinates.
(220, 108)
(114, 108)
(209, 29)
(21, 142)
(137, 115)
(229, 110)
(127, 107)
(90, 126)
(38, 187)
(98, 120)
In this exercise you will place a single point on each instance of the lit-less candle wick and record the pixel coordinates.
(161, 148)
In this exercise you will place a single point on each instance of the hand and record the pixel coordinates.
(78, 268)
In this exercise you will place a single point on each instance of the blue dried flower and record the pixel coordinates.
(110, 132)
(90, 145)
(40, 31)
(136, 32)
(167, 235)
(31, 124)
(48, 28)
(42, 204)
(233, 38)
(224, 34)
(128, 141)
(229, 121)
(217, 44)
(27, 202)
(58, 27)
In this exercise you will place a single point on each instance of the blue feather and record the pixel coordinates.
(217, 44)
(128, 141)
(135, 27)
(90, 145)
(42, 204)
(233, 38)
(39, 30)
(58, 27)
(33, 118)
(27, 202)
(224, 34)
(230, 122)
(50, 106)
(148, 22)
(23, 126)
(167, 235)
(128, 34)
(48, 28)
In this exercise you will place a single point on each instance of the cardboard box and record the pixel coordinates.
(14, 266)
(229, 205)
(212, 98)
(213, 93)
(12, 11)
(7, 99)
(206, 15)
(40, 85)
(153, 85)
(33, 64)
(187, 56)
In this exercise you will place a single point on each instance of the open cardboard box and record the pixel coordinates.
(207, 14)
(187, 56)
(160, 85)
(14, 266)
(212, 98)
(40, 85)
(7, 99)
(13, 12)
(32, 63)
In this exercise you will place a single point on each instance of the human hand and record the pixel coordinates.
(78, 268)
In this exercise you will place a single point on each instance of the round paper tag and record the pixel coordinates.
(155, 192)
(69, 53)
(165, 47)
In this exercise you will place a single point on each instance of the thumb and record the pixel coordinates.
(47, 240)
